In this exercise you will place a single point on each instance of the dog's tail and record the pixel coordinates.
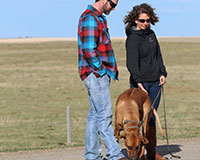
(158, 121)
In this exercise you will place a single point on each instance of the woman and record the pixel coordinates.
(144, 62)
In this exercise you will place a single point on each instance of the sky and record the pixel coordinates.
(59, 18)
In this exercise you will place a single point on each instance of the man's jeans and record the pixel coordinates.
(99, 122)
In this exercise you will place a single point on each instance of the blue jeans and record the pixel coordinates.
(152, 88)
(99, 122)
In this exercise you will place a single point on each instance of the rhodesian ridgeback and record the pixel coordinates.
(133, 106)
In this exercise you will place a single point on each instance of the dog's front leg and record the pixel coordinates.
(141, 156)
(117, 134)
(118, 128)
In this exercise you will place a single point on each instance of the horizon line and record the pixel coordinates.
(47, 39)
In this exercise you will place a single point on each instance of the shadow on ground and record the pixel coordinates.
(163, 150)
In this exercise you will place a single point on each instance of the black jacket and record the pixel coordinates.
(144, 59)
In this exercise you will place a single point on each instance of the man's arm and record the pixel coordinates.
(90, 38)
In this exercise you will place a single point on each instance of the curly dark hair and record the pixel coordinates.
(136, 11)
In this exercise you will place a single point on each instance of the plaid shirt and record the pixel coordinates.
(94, 46)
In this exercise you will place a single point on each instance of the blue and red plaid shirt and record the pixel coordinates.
(94, 46)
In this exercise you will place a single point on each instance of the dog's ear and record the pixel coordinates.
(144, 140)
(122, 136)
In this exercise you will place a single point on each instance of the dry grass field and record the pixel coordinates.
(39, 79)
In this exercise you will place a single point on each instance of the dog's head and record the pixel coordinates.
(134, 143)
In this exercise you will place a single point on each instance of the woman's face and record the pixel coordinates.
(143, 21)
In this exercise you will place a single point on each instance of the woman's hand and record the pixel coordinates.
(141, 87)
(162, 80)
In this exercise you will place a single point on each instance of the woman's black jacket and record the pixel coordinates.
(144, 60)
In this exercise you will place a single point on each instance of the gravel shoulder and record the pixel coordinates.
(187, 149)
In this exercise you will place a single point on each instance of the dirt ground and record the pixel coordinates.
(187, 149)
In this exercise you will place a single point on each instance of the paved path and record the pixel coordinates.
(188, 149)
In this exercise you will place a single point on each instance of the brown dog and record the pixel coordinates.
(131, 108)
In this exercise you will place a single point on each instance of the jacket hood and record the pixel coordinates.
(141, 32)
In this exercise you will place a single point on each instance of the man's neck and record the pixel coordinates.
(98, 6)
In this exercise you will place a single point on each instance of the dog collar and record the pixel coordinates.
(130, 121)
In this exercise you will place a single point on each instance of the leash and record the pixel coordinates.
(141, 123)
(165, 119)
(166, 133)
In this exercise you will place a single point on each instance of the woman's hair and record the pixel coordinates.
(136, 11)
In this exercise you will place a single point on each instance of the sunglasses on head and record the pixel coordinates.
(143, 20)
(112, 4)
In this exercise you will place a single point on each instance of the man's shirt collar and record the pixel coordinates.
(94, 10)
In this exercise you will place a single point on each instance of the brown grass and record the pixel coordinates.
(40, 79)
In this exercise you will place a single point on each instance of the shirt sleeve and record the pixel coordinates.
(160, 59)
(162, 67)
(90, 39)
(132, 59)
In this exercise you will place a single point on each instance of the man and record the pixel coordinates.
(97, 66)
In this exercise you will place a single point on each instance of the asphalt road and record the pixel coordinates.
(187, 149)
